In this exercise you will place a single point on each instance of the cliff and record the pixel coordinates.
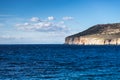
(101, 34)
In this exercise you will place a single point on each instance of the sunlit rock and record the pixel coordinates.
(102, 34)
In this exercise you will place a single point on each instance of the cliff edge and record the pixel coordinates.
(101, 34)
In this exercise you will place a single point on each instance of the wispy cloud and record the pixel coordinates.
(67, 18)
(44, 26)
(51, 18)
(34, 30)
(35, 19)
(9, 37)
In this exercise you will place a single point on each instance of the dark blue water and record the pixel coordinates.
(59, 62)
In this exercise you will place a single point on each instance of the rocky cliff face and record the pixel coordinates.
(97, 35)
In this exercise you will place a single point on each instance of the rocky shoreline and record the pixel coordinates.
(102, 34)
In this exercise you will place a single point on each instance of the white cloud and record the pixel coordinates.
(6, 37)
(26, 24)
(9, 37)
(51, 18)
(35, 19)
(68, 18)
(43, 27)
(12, 39)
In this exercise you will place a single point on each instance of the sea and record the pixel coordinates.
(59, 62)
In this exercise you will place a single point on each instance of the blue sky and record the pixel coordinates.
(50, 21)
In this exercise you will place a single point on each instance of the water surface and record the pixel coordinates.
(59, 62)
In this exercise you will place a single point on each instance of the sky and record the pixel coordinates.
(50, 21)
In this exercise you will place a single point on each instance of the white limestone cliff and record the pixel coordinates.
(105, 34)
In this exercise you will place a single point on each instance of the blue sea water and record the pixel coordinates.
(59, 62)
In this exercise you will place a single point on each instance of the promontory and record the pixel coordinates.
(101, 34)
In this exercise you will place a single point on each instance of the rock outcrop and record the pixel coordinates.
(102, 34)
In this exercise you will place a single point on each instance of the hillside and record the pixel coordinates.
(98, 35)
